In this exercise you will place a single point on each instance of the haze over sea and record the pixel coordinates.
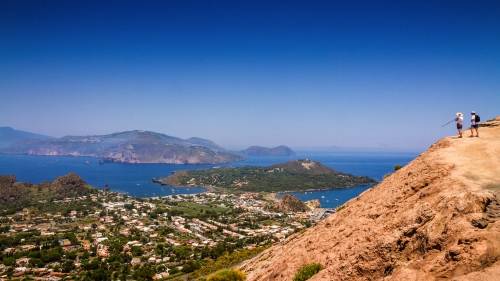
(135, 179)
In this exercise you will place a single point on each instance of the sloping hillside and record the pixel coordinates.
(435, 219)
(9, 136)
(129, 147)
(16, 195)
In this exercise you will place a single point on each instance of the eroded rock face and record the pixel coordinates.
(437, 218)
(312, 204)
(288, 203)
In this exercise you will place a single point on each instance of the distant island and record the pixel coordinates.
(296, 175)
(9, 136)
(129, 147)
(264, 151)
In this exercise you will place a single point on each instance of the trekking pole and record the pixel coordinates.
(448, 123)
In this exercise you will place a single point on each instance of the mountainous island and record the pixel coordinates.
(129, 147)
(437, 218)
(9, 136)
(302, 174)
(264, 151)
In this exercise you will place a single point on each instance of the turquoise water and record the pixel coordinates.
(135, 179)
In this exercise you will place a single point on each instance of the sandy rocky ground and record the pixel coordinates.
(438, 218)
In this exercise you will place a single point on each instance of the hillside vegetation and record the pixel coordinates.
(15, 195)
(294, 175)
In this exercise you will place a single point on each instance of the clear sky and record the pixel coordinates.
(240, 73)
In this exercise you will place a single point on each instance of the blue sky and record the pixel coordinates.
(241, 73)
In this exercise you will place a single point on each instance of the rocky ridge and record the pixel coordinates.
(435, 219)
(129, 147)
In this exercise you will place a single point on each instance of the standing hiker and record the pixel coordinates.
(460, 120)
(474, 124)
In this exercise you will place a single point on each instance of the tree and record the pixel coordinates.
(67, 266)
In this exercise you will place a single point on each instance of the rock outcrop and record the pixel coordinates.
(311, 205)
(288, 203)
(437, 218)
(24, 194)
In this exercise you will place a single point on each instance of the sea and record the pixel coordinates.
(136, 179)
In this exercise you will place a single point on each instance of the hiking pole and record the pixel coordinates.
(448, 123)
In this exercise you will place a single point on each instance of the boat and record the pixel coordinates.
(87, 162)
(322, 196)
(336, 199)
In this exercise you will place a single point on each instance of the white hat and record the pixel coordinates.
(459, 114)
(473, 112)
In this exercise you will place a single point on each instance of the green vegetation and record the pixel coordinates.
(110, 236)
(14, 196)
(294, 175)
(226, 261)
(307, 271)
(228, 275)
(340, 208)
(397, 167)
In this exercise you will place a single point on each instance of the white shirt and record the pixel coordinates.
(473, 120)
(460, 119)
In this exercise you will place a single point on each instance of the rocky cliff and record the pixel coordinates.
(435, 219)
(288, 203)
(129, 147)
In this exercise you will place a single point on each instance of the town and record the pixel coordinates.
(111, 236)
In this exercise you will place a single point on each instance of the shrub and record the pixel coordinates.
(340, 208)
(227, 275)
(397, 167)
(307, 271)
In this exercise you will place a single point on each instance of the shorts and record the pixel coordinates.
(475, 126)
(459, 126)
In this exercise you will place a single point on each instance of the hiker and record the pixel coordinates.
(460, 120)
(474, 124)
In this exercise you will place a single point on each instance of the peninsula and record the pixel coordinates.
(296, 175)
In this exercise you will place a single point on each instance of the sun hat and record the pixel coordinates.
(459, 114)
(473, 112)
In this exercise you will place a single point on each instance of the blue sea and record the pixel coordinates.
(135, 179)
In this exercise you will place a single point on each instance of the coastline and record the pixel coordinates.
(324, 189)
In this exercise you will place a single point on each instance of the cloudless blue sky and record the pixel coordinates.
(241, 73)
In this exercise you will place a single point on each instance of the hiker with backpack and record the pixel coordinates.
(475, 119)
(459, 120)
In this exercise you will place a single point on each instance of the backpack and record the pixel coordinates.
(477, 119)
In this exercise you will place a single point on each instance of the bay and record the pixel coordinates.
(135, 179)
